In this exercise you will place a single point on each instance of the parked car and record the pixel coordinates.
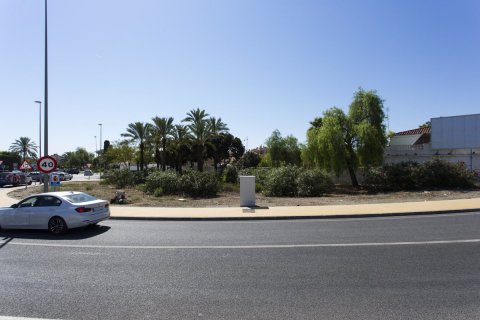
(14, 179)
(55, 211)
(88, 173)
(63, 175)
(67, 176)
(36, 176)
(73, 171)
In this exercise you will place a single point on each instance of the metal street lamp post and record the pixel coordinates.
(45, 149)
(39, 128)
(100, 153)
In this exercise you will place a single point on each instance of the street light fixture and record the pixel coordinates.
(39, 128)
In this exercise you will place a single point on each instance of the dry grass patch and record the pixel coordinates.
(231, 198)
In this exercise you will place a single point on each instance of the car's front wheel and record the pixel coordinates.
(57, 225)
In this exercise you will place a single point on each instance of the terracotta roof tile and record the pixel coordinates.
(414, 131)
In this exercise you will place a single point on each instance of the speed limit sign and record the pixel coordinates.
(46, 164)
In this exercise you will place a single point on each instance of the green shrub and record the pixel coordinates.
(435, 174)
(167, 181)
(281, 182)
(260, 176)
(120, 178)
(230, 187)
(374, 180)
(198, 184)
(230, 174)
(249, 159)
(139, 177)
(158, 192)
(313, 183)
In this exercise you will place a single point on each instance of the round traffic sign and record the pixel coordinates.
(46, 164)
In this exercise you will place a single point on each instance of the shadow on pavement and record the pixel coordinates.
(73, 234)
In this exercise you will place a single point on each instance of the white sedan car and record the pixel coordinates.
(55, 211)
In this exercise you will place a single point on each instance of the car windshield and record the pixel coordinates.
(79, 197)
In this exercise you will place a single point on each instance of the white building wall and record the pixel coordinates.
(424, 152)
(457, 132)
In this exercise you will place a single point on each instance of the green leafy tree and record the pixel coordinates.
(283, 151)
(8, 159)
(237, 149)
(249, 160)
(138, 132)
(426, 125)
(162, 133)
(121, 153)
(25, 147)
(200, 130)
(78, 158)
(345, 141)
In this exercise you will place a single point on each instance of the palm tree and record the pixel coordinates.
(139, 132)
(200, 131)
(162, 132)
(24, 147)
(217, 126)
(217, 129)
(180, 145)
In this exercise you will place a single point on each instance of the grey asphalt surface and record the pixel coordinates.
(418, 267)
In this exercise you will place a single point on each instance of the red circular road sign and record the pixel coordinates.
(46, 164)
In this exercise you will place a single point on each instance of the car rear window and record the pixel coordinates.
(79, 197)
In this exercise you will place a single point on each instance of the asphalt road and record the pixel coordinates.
(421, 267)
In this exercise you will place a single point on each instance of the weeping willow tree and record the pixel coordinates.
(339, 141)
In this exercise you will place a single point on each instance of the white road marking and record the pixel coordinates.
(21, 318)
(262, 246)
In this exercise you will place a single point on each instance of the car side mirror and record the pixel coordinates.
(14, 205)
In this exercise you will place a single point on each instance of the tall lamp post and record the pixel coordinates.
(45, 148)
(39, 128)
(100, 153)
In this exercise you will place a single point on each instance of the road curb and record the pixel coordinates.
(305, 217)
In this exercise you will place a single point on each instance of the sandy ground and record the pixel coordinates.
(342, 196)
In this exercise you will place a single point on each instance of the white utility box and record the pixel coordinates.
(247, 191)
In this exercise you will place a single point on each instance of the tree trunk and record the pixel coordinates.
(200, 159)
(164, 155)
(142, 155)
(353, 177)
(351, 168)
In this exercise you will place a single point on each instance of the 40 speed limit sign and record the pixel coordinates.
(46, 164)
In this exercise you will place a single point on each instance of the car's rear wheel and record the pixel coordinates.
(57, 225)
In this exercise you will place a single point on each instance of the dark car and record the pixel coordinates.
(73, 171)
(14, 179)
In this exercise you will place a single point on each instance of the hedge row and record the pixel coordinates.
(290, 181)
(431, 175)
(190, 183)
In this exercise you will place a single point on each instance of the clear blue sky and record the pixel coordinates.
(260, 65)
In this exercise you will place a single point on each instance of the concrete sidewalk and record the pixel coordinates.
(363, 210)
(294, 212)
